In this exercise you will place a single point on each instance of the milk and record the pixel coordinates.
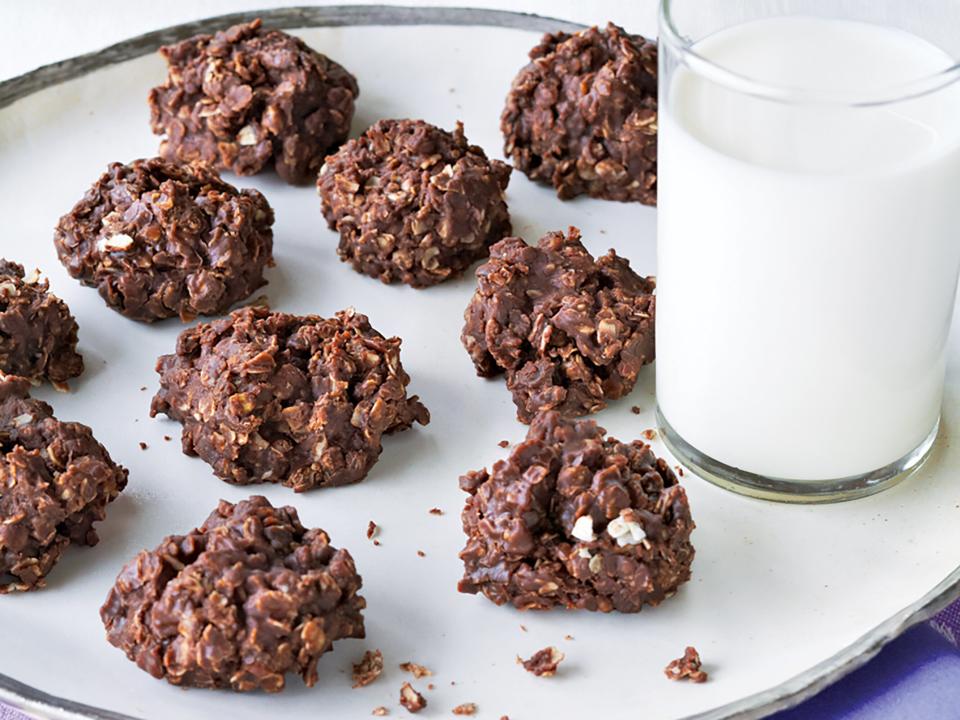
(807, 253)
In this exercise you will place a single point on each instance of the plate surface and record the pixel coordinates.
(783, 598)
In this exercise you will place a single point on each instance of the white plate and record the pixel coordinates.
(783, 598)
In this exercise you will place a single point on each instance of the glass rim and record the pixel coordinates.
(683, 47)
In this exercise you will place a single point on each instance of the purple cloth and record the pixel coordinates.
(916, 677)
(947, 623)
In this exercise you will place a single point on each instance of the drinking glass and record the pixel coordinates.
(808, 239)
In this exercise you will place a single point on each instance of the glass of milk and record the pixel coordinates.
(809, 239)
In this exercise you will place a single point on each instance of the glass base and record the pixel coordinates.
(793, 491)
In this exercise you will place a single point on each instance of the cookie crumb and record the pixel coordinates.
(411, 699)
(436, 511)
(568, 637)
(679, 471)
(431, 686)
(523, 628)
(143, 388)
(543, 663)
(380, 711)
(421, 553)
(649, 434)
(418, 671)
(143, 445)
(167, 438)
(372, 530)
(504, 443)
(687, 667)
(635, 410)
(465, 709)
(368, 669)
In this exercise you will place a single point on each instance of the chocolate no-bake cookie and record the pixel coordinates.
(570, 332)
(576, 519)
(582, 115)
(160, 239)
(248, 97)
(414, 203)
(55, 483)
(237, 603)
(271, 397)
(38, 335)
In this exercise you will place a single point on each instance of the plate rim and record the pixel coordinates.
(38, 703)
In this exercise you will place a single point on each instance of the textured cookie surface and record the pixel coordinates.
(298, 400)
(159, 239)
(55, 483)
(248, 98)
(237, 603)
(568, 331)
(38, 335)
(582, 115)
(575, 519)
(414, 203)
